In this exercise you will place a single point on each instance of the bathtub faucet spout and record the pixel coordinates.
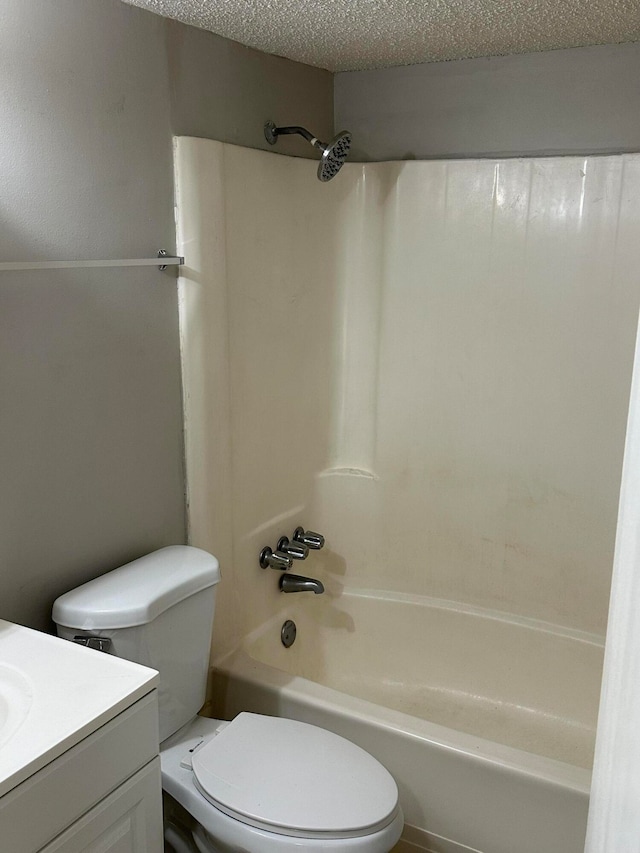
(298, 583)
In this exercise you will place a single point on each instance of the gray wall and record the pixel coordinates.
(223, 90)
(579, 101)
(91, 451)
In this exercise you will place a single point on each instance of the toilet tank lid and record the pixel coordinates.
(137, 593)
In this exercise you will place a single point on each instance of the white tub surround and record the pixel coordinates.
(428, 362)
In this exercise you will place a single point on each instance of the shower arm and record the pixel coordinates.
(334, 153)
(272, 133)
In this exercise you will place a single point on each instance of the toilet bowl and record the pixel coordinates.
(247, 791)
(256, 784)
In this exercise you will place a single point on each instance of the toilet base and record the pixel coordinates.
(183, 834)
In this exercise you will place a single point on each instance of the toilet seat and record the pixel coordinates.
(294, 779)
(229, 833)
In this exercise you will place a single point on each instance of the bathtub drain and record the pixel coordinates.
(288, 633)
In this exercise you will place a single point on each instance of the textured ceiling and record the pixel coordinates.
(345, 35)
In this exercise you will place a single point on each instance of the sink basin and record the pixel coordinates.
(16, 697)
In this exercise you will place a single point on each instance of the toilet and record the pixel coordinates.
(257, 784)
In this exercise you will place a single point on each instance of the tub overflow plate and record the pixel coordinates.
(288, 633)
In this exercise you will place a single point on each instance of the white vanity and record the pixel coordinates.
(79, 766)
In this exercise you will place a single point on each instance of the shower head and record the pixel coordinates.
(334, 153)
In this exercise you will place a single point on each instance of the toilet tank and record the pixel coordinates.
(157, 611)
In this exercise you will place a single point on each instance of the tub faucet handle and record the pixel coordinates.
(296, 550)
(274, 559)
(312, 540)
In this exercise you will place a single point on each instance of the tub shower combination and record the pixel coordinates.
(401, 354)
(469, 710)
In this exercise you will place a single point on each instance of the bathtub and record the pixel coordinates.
(486, 721)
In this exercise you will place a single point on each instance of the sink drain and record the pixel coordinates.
(288, 633)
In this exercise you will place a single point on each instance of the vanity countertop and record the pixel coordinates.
(54, 693)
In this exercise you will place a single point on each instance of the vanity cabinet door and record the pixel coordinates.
(129, 820)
